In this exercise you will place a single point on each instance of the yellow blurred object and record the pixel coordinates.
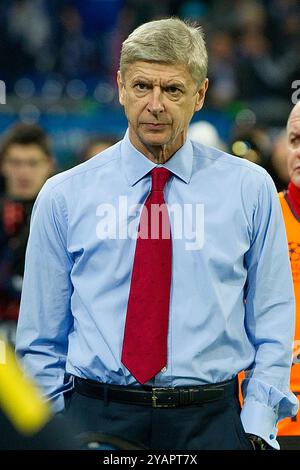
(20, 399)
(240, 148)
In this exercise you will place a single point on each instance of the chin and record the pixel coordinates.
(25, 196)
(297, 182)
(156, 136)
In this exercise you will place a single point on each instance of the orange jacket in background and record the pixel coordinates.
(291, 426)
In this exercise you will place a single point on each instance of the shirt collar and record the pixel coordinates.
(136, 165)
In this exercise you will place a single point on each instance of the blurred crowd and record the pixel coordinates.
(82, 38)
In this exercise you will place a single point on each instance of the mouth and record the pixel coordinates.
(155, 125)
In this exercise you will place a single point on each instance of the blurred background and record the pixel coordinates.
(59, 59)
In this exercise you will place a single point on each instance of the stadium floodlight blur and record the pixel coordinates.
(206, 133)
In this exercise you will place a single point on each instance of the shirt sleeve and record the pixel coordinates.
(269, 321)
(45, 318)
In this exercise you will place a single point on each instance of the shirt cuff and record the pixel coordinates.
(260, 420)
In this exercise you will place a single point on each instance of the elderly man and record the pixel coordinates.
(158, 270)
(289, 429)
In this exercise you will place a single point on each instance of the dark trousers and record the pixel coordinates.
(212, 426)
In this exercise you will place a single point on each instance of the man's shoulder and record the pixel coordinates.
(96, 164)
(227, 161)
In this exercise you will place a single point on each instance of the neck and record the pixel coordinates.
(158, 154)
(293, 195)
(18, 196)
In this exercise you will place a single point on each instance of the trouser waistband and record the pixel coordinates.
(157, 397)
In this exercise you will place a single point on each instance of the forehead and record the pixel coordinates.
(294, 121)
(25, 151)
(158, 71)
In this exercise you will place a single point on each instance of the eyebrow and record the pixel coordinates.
(175, 84)
(168, 83)
(140, 78)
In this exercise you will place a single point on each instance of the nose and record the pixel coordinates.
(155, 103)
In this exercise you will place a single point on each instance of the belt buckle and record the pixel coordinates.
(155, 398)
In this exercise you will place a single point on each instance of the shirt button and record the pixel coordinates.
(163, 370)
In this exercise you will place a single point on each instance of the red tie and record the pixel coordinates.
(146, 330)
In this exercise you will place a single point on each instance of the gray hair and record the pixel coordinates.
(169, 41)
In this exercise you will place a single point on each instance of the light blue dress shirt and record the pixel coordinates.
(232, 303)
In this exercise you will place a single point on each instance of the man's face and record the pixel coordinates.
(159, 102)
(25, 169)
(293, 155)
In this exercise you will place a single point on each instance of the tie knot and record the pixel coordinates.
(159, 178)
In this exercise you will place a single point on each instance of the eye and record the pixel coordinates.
(140, 86)
(294, 141)
(173, 90)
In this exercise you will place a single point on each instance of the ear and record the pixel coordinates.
(201, 95)
(121, 88)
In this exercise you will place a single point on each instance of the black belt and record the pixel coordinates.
(157, 397)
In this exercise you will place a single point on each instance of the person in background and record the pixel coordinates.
(289, 429)
(25, 163)
(96, 145)
(138, 321)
